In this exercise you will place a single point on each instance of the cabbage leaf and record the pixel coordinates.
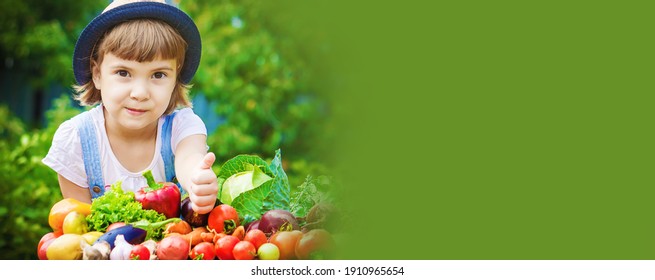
(252, 186)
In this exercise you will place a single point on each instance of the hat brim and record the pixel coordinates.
(137, 10)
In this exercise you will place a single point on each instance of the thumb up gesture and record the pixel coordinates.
(203, 188)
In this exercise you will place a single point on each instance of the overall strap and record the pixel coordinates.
(167, 151)
(90, 155)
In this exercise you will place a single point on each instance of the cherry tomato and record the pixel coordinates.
(244, 250)
(223, 218)
(140, 252)
(203, 251)
(218, 236)
(224, 247)
(268, 251)
(256, 237)
(286, 243)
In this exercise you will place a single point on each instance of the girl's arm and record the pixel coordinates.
(72, 190)
(193, 171)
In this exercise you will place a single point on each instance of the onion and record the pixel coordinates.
(277, 220)
(192, 217)
(252, 225)
(173, 248)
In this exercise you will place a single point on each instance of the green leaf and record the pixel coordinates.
(278, 198)
(242, 182)
(305, 197)
(251, 203)
(238, 164)
(242, 163)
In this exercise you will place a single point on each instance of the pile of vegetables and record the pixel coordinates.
(116, 206)
(255, 217)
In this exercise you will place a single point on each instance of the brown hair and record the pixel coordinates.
(142, 40)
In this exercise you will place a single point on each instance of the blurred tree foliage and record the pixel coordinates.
(259, 73)
(28, 187)
(38, 37)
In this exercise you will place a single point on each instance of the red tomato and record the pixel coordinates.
(203, 251)
(316, 244)
(224, 247)
(218, 236)
(244, 250)
(140, 252)
(286, 242)
(223, 218)
(256, 237)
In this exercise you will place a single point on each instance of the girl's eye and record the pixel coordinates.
(159, 75)
(122, 73)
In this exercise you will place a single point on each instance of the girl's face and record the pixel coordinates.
(135, 94)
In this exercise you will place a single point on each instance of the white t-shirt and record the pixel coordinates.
(65, 154)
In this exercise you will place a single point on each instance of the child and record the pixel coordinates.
(134, 62)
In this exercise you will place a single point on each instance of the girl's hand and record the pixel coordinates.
(204, 186)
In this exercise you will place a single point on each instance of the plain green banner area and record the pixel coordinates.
(493, 129)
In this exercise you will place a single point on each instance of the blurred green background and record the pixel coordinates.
(259, 87)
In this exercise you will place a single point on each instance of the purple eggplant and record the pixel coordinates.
(133, 235)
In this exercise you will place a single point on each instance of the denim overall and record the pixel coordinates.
(91, 155)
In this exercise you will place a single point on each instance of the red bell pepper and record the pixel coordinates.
(161, 197)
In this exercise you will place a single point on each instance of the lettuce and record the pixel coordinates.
(117, 205)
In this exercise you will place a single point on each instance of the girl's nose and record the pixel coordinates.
(140, 91)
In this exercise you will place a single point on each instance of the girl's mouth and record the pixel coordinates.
(134, 111)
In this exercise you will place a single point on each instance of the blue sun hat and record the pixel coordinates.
(114, 15)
